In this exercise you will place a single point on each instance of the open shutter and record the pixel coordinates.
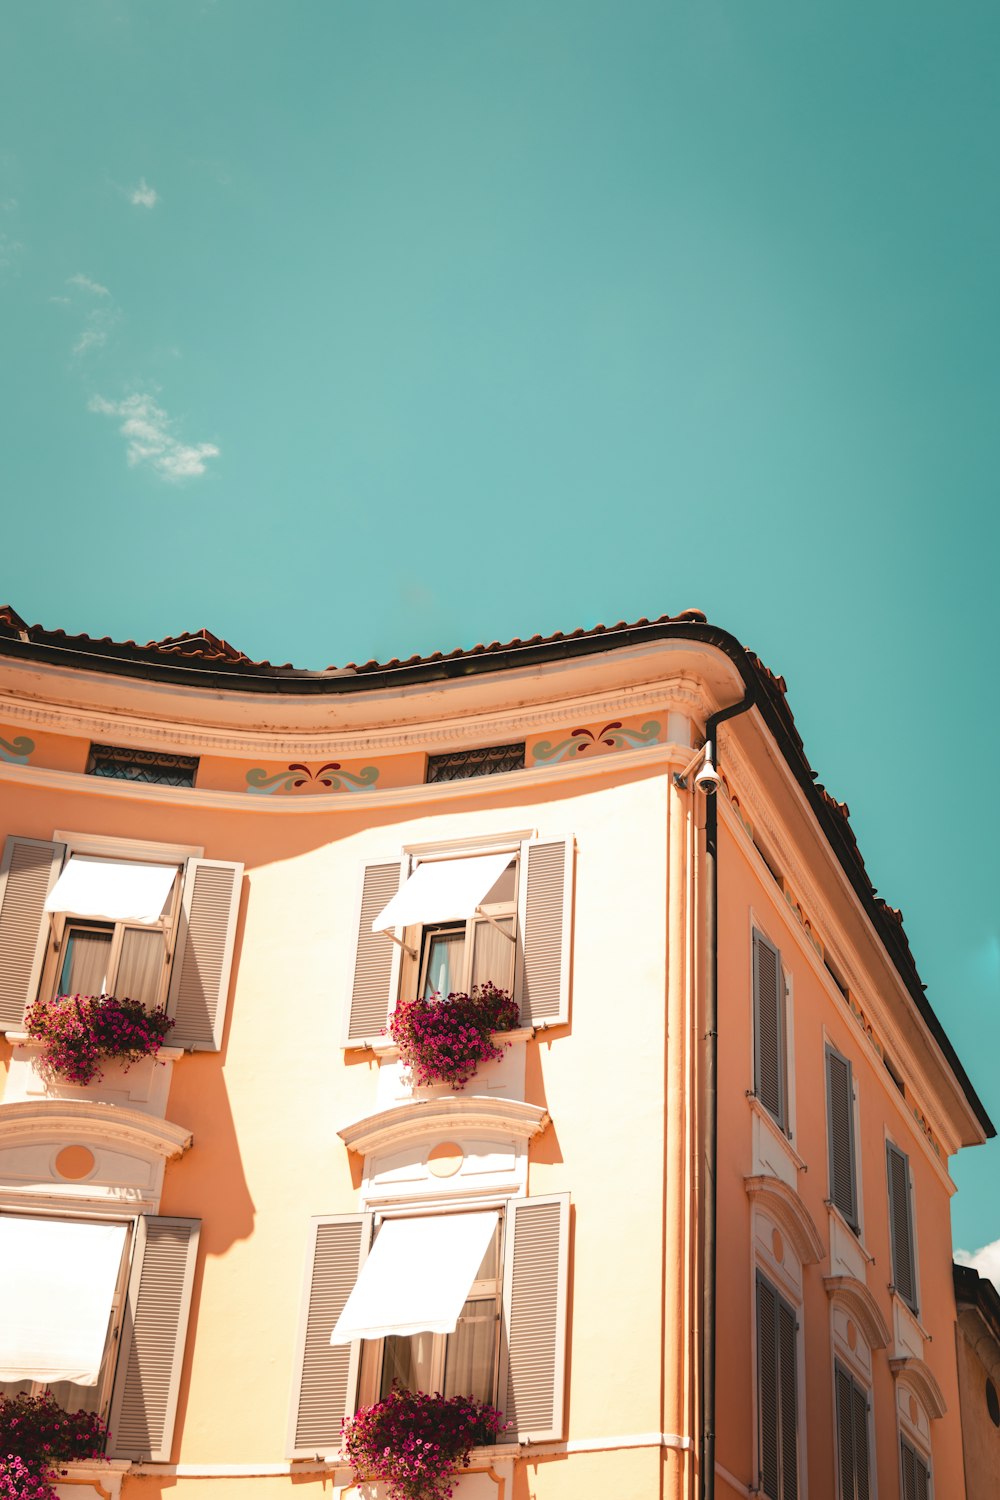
(545, 914)
(901, 1224)
(203, 954)
(153, 1334)
(840, 1127)
(326, 1375)
(533, 1354)
(769, 1029)
(28, 872)
(375, 975)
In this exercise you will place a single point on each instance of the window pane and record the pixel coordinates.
(141, 965)
(445, 953)
(470, 1354)
(493, 954)
(407, 1362)
(85, 961)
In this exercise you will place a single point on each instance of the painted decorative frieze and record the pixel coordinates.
(16, 751)
(297, 777)
(592, 740)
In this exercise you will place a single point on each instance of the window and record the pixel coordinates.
(153, 922)
(901, 1241)
(441, 920)
(770, 1031)
(486, 1316)
(100, 1318)
(142, 765)
(840, 1137)
(777, 1394)
(916, 1473)
(852, 1436)
(458, 765)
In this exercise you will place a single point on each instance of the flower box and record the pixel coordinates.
(144, 1086)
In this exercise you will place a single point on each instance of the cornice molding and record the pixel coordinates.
(52, 1119)
(405, 1123)
(855, 1297)
(784, 1205)
(679, 694)
(918, 1374)
(534, 777)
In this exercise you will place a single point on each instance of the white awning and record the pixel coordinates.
(60, 1278)
(116, 889)
(416, 1278)
(443, 889)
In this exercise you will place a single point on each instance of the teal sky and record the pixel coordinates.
(447, 321)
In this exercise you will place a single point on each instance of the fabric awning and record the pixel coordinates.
(118, 890)
(416, 1278)
(441, 890)
(60, 1277)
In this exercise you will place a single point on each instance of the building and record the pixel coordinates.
(978, 1339)
(697, 1214)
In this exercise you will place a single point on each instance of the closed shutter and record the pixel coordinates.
(840, 1127)
(375, 976)
(154, 1330)
(203, 954)
(916, 1474)
(852, 1436)
(28, 872)
(545, 911)
(901, 1225)
(769, 1029)
(533, 1344)
(326, 1375)
(777, 1394)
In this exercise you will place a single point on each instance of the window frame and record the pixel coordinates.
(112, 1340)
(125, 851)
(417, 938)
(371, 1364)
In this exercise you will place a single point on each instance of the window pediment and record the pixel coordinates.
(490, 1118)
(787, 1208)
(917, 1374)
(861, 1305)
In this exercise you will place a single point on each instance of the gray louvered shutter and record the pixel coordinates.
(788, 1401)
(845, 1433)
(545, 919)
(203, 954)
(375, 974)
(840, 1129)
(862, 1467)
(154, 1330)
(533, 1353)
(769, 1029)
(923, 1477)
(29, 870)
(901, 1225)
(916, 1474)
(769, 1460)
(326, 1375)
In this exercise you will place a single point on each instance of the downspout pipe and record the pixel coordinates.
(711, 1103)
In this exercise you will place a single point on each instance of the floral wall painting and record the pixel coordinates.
(16, 751)
(296, 777)
(587, 740)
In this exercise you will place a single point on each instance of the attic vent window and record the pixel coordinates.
(126, 764)
(458, 765)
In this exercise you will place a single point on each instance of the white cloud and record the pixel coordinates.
(143, 195)
(985, 1260)
(88, 285)
(64, 300)
(10, 249)
(150, 439)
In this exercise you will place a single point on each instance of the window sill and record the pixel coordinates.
(848, 1228)
(767, 1119)
(385, 1048)
(22, 1039)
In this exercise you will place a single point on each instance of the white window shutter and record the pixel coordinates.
(840, 1129)
(326, 1375)
(203, 954)
(375, 970)
(901, 1224)
(533, 1352)
(28, 872)
(544, 929)
(769, 1029)
(153, 1335)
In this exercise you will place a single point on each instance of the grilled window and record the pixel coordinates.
(126, 764)
(491, 760)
